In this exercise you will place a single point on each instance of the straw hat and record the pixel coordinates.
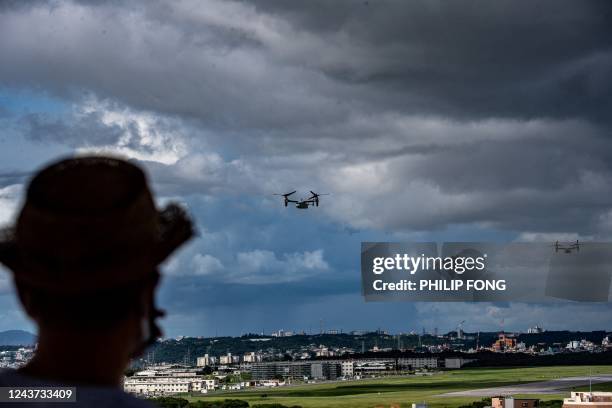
(90, 223)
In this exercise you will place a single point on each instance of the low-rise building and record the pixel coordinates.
(323, 370)
(277, 369)
(226, 359)
(588, 399)
(535, 330)
(456, 362)
(347, 369)
(204, 361)
(162, 385)
(511, 402)
(366, 368)
(419, 362)
(252, 357)
(504, 342)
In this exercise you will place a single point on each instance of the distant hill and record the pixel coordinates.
(16, 338)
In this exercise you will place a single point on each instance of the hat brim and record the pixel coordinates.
(175, 228)
(8, 248)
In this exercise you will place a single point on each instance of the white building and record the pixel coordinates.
(226, 359)
(373, 367)
(419, 362)
(535, 330)
(282, 333)
(586, 399)
(252, 357)
(203, 361)
(580, 345)
(323, 351)
(154, 385)
(347, 369)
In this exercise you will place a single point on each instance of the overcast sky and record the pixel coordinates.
(430, 120)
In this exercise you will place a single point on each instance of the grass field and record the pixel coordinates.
(403, 391)
(607, 387)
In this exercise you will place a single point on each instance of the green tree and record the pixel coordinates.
(551, 404)
(169, 402)
(228, 403)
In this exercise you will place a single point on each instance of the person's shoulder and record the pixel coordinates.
(115, 398)
(12, 378)
(87, 396)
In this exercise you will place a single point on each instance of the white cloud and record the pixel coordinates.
(252, 267)
(10, 196)
(206, 265)
(551, 237)
(196, 265)
(262, 266)
(144, 136)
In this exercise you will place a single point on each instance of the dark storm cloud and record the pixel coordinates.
(465, 59)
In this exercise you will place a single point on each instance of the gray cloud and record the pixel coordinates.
(10, 197)
(295, 64)
(476, 60)
(415, 115)
(77, 132)
(9, 178)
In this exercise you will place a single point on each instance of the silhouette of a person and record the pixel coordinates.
(84, 256)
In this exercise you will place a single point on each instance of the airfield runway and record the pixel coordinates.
(539, 387)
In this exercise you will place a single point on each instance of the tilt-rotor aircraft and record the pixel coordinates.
(567, 248)
(304, 203)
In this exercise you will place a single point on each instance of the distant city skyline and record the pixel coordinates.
(436, 331)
